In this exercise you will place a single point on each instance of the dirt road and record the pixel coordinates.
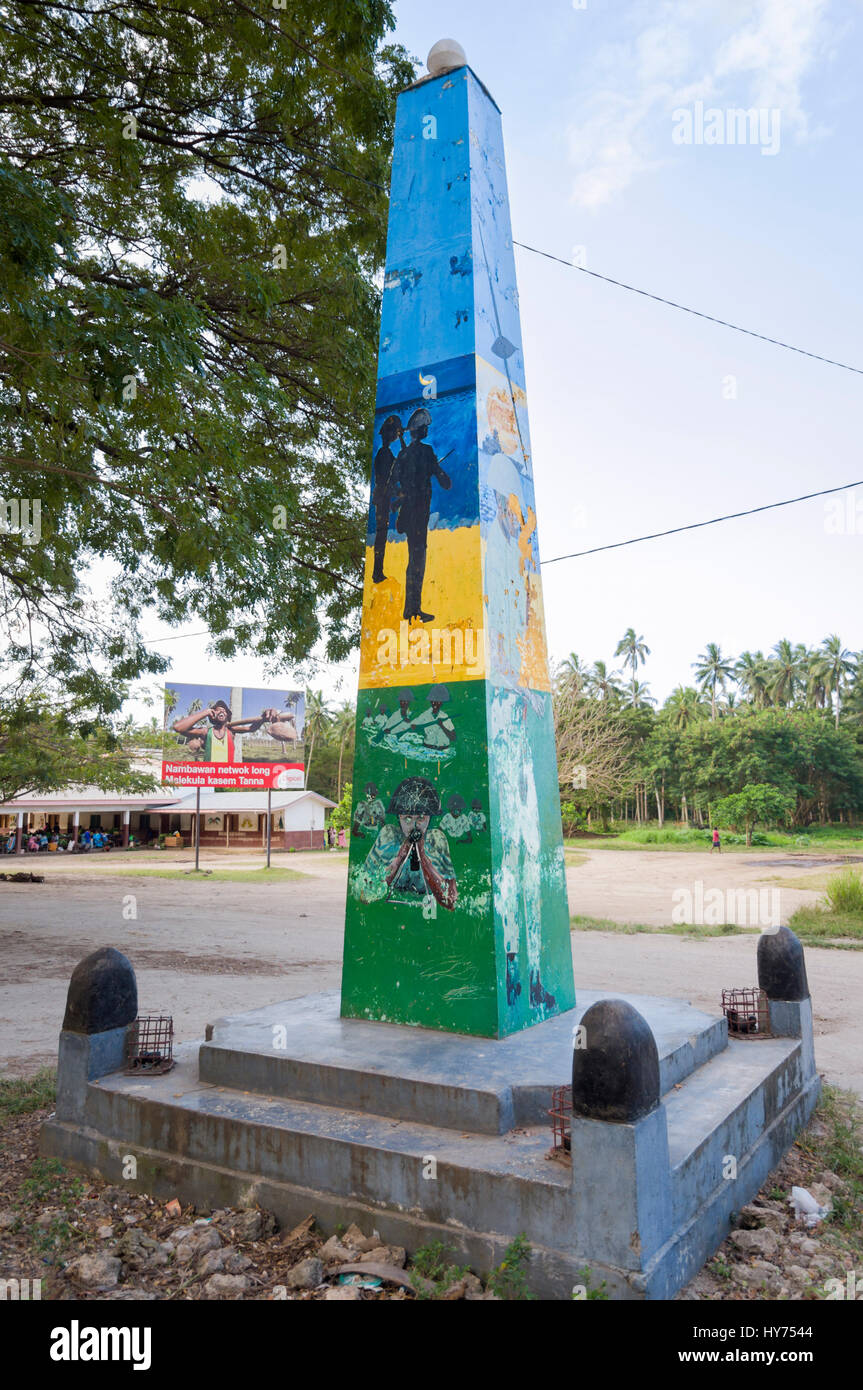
(204, 948)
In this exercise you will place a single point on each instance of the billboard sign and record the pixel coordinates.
(231, 737)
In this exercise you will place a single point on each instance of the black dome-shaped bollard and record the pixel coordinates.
(615, 1075)
(781, 966)
(103, 993)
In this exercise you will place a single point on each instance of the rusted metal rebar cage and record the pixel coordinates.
(747, 1012)
(561, 1121)
(150, 1045)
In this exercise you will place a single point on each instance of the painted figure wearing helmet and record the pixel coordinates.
(411, 860)
(382, 491)
(417, 466)
(370, 812)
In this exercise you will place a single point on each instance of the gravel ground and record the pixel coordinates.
(202, 949)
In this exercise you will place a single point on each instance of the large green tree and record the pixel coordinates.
(754, 803)
(192, 221)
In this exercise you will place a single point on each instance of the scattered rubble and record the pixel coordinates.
(87, 1239)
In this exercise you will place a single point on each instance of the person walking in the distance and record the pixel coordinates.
(416, 467)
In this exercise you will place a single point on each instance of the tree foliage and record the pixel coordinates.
(41, 752)
(794, 723)
(756, 802)
(192, 220)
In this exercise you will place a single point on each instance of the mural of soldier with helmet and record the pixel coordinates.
(434, 724)
(417, 465)
(456, 823)
(399, 721)
(411, 860)
(370, 813)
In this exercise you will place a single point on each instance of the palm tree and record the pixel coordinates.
(787, 675)
(572, 674)
(639, 694)
(837, 665)
(633, 650)
(170, 704)
(712, 669)
(815, 671)
(752, 675)
(684, 706)
(344, 727)
(603, 683)
(318, 717)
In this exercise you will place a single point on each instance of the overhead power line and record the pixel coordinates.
(618, 545)
(620, 284)
(673, 304)
(696, 525)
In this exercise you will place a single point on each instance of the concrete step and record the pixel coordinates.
(490, 1183)
(303, 1050)
(718, 1113)
(413, 1181)
(230, 1147)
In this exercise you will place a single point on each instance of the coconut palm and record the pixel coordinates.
(344, 727)
(815, 670)
(752, 674)
(318, 718)
(684, 707)
(572, 674)
(787, 672)
(837, 666)
(170, 704)
(639, 694)
(603, 683)
(634, 650)
(712, 669)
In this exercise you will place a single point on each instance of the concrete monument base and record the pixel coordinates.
(423, 1135)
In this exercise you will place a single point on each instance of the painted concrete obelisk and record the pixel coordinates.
(457, 913)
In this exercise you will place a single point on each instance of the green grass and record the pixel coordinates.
(579, 923)
(839, 914)
(260, 875)
(845, 893)
(700, 930)
(814, 840)
(22, 1095)
(818, 926)
(573, 857)
(49, 1184)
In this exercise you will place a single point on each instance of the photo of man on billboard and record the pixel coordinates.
(218, 729)
(225, 736)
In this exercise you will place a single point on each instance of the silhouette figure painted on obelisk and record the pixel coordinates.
(416, 466)
(382, 493)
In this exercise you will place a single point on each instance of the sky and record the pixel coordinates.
(643, 417)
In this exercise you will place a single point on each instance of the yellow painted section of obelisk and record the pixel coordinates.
(452, 591)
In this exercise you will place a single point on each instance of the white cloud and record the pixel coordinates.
(742, 54)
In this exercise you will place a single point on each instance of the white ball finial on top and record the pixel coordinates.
(445, 54)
